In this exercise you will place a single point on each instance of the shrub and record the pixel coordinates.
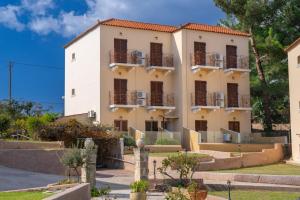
(4, 123)
(49, 117)
(176, 195)
(33, 125)
(166, 141)
(72, 159)
(139, 186)
(129, 141)
(101, 192)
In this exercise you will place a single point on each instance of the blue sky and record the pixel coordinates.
(35, 31)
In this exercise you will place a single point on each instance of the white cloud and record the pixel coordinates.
(37, 7)
(9, 17)
(44, 25)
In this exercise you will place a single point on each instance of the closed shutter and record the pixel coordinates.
(155, 54)
(234, 126)
(232, 95)
(151, 125)
(156, 93)
(200, 93)
(120, 50)
(199, 53)
(200, 125)
(120, 91)
(121, 125)
(231, 56)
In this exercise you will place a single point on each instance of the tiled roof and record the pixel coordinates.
(215, 29)
(139, 25)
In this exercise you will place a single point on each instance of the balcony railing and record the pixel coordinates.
(167, 100)
(126, 57)
(166, 60)
(237, 62)
(242, 101)
(207, 59)
(122, 98)
(209, 99)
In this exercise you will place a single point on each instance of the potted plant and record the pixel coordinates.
(138, 190)
(197, 191)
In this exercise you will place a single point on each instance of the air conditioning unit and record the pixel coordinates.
(91, 114)
(220, 97)
(141, 102)
(140, 57)
(218, 58)
(141, 95)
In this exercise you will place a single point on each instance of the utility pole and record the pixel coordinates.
(10, 66)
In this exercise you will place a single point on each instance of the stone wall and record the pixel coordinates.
(257, 138)
(79, 192)
(230, 147)
(5, 144)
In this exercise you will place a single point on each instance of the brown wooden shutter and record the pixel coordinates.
(117, 124)
(234, 126)
(120, 91)
(200, 93)
(200, 53)
(156, 93)
(120, 50)
(200, 125)
(231, 56)
(156, 54)
(151, 125)
(232, 95)
(121, 125)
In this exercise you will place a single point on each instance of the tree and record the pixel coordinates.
(4, 123)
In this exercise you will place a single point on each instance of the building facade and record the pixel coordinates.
(151, 76)
(294, 82)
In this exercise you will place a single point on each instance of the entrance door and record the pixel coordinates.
(199, 53)
(156, 93)
(121, 125)
(155, 54)
(232, 94)
(231, 56)
(200, 93)
(120, 51)
(120, 91)
(151, 125)
(234, 126)
(200, 125)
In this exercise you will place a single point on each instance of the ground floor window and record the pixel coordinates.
(201, 125)
(234, 126)
(151, 125)
(121, 125)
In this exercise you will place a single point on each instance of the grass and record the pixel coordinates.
(257, 195)
(166, 154)
(23, 195)
(275, 169)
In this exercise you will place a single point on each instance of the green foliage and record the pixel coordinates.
(176, 195)
(129, 141)
(33, 125)
(101, 192)
(166, 141)
(139, 186)
(73, 159)
(4, 123)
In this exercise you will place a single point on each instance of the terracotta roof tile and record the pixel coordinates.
(139, 25)
(215, 29)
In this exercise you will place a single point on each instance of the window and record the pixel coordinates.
(73, 57)
(151, 125)
(298, 62)
(73, 92)
(121, 125)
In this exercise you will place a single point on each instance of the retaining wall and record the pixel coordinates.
(79, 192)
(4, 144)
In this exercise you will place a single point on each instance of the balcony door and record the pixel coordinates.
(151, 125)
(120, 91)
(156, 54)
(121, 125)
(156, 93)
(234, 126)
(120, 51)
(200, 93)
(232, 94)
(199, 53)
(231, 56)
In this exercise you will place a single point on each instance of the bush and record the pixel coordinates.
(99, 192)
(73, 159)
(49, 117)
(166, 141)
(129, 141)
(4, 124)
(33, 125)
(139, 186)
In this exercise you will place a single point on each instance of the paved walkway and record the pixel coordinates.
(14, 179)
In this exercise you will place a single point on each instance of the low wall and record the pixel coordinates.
(229, 147)
(4, 144)
(163, 148)
(79, 192)
(36, 160)
(267, 156)
(257, 138)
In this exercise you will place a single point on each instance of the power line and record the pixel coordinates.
(39, 65)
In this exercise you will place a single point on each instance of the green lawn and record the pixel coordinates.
(166, 154)
(23, 195)
(275, 169)
(258, 195)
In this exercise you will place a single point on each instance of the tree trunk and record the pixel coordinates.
(261, 75)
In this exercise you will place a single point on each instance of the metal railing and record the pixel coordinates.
(207, 59)
(210, 99)
(163, 137)
(236, 62)
(122, 98)
(160, 99)
(166, 60)
(126, 57)
(242, 101)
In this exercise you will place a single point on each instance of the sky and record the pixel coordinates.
(33, 33)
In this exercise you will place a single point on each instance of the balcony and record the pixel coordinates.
(236, 65)
(207, 62)
(242, 103)
(207, 102)
(163, 102)
(122, 100)
(126, 60)
(162, 63)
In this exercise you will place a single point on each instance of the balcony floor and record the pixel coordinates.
(115, 107)
(233, 109)
(208, 108)
(128, 66)
(154, 108)
(236, 70)
(198, 68)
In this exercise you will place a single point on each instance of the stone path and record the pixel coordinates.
(14, 179)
